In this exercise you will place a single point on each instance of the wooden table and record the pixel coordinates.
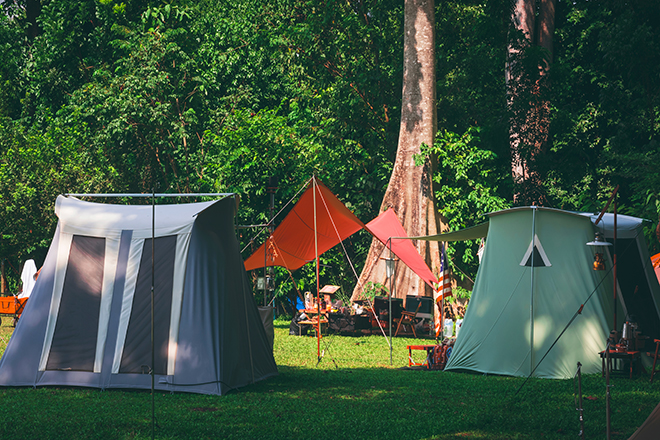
(632, 356)
(313, 322)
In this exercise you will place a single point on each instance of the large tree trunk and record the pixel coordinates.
(530, 125)
(409, 191)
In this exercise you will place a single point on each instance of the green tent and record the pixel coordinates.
(535, 273)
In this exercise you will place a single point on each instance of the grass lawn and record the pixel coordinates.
(362, 397)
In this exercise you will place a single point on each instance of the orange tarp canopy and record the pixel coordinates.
(292, 243)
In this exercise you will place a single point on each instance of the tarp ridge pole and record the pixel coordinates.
(318, 293)
(442, 292)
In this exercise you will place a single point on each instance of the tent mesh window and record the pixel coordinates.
(76, 329)
(136, 356)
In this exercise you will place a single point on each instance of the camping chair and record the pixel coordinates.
(408, 318)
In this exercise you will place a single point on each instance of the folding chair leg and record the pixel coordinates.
(397, 329)
(655, 358)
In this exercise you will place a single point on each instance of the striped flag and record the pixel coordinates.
(443, 290)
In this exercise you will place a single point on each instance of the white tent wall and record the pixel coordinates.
(512, 305)
(209, 335)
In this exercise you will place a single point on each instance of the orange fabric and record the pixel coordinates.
(387, 225)
(292, 242)
(655, 260)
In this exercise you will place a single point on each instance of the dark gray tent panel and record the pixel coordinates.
(88, 321)
(650, 429)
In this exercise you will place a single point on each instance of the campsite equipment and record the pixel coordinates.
(319, 221)
(448, 328)
(459, 323)
(536, 277)
(88, 320)
(12, 305)
(599, 259)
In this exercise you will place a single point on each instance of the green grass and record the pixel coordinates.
(364, 398)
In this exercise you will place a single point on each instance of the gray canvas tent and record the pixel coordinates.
(535, 273)
(88, 320)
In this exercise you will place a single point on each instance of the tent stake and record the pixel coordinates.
(579, 408)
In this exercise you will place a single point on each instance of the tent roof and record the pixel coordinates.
(387, 226)
(292, 244)
(99, 218)
(627, 226)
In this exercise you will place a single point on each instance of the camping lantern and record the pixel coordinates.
(599, 259)
(389, 267)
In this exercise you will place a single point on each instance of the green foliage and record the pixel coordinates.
(460, 292)
(372, 290)
(468, 185)
(224, 96)
(35, 167)
(11, 59)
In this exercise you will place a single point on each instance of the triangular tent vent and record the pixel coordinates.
(540, 258)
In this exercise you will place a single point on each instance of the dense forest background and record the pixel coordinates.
(224, 96)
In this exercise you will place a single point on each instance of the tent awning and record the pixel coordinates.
(471, 233)
(292, 244)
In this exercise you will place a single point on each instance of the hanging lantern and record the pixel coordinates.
(389, 267)
(599, 258)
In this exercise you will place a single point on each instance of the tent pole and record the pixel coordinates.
(531, 293)
(442, 301)
(614, 262)
(265, 269)
(318, 293)
(391, 291)
(153, 355)
(600, 216)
